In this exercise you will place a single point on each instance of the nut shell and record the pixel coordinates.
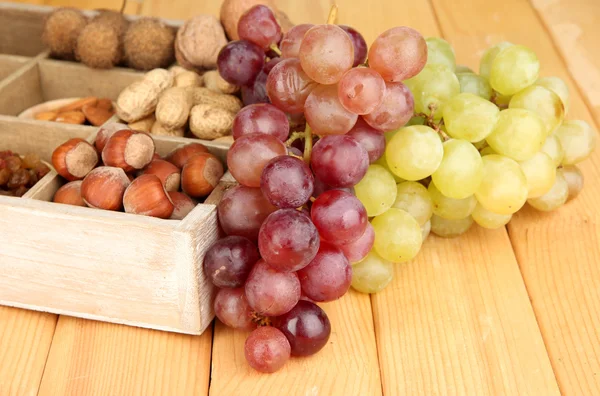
(216, 83)
(148, 44)
(188, 78)
(181, 155)
(128, 150)
(169, 174)
(70, 194)
(147, 196)
(199, 41)
(160, 130)
(173, 109)
(103, 188)
(182, 203)
(210, 122)
(161, 78)
(201, 174)
(106, 132)
(74, 159)
(137, 101)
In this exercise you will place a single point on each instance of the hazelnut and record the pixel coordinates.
(168, 173)
(182, 154)
(74, 159)
(106, 132)
(147, 196)
(70, 194)
(183, 205)
(128, 150)
(103, 188)
(201, 174)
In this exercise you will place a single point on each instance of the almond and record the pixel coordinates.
(46, 116)
(71, 117)
(105, 104)
(78, 104)
(95, 115)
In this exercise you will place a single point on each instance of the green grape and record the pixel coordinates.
(574, 179)
(376, 190)
(540, 173)
(416, 121)
(503, 189)
(414, 198)
(501, 101)
(414, 153)
(440, 52)
(432, 87)
(553, 199)
(480, 145)
(450, 208)
(372, 274)
(397, 235)
(383, 161)
(577, 139)
(425, 230)
(519, 134)
(485, 66)
(557, 86)
(513, 69)
(477, 85)
(489, 220)
(460, 171)
(543, 102)
(487, 151)
(554, 150)
(447, 228)
(469, 117)
(463, 69)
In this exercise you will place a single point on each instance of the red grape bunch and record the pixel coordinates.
(294, 226)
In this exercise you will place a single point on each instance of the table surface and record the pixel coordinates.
(511, 311)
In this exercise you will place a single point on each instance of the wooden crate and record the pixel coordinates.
(84, 262)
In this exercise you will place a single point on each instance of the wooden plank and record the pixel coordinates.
(557, 253)
(25, 339)
(10, 63)
(95, 358)
(347, 365)
(574, 27)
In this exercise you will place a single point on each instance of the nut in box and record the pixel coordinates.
(98, 264)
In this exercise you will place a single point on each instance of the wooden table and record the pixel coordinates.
(509, 312)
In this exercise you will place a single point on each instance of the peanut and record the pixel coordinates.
(137, 101)
(145, 124)
(214, 82)
(173, 108)
(159, 129)
(188, 79)
(203, 95)
(210, 121)
(162, 78)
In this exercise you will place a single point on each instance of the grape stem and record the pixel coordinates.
(275, 49)
(295, 136)
(430, 122)
(332, 15)
(308, 143)
(260, 320)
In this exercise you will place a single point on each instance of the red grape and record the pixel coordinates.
(326, 53)
(370, 138)
(287, 182)
(328, 276)
(339, 216)
(325, 114)
(358, 249)
(270, 292)
(232, 309)
(306, 327)
(267, 349)
(398, 54)
(242, 211)
(359, 43)
(361, 90)
(339, 161)
(261, 118)
(239, 62)
(257, 91)
(228, 261)
(288, 240)
(288, 86)
(259, 26)
(290, 44)
(249, 154)
(321, 187)
(395, 110)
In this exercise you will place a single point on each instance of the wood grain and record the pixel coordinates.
(574, 28)
(558, 253)
(347, 365)
(95, 358)
(25, 339)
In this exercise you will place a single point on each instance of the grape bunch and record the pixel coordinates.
(314, 121)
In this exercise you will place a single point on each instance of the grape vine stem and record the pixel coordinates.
(308, 143)
(295, 136)
(332, 15)
(275, 49)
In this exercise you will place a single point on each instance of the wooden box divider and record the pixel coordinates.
(10, 63)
